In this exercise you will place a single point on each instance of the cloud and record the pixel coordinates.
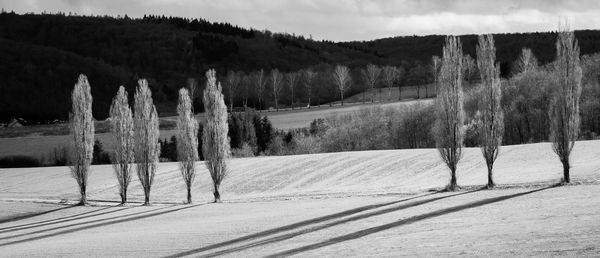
(342, 20)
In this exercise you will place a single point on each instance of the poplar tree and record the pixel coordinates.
(448, 129)
(82, 131)
(121, 121)
(564, 107)
(187, 141)
(215, 142)
(492, 118)
(146, 135)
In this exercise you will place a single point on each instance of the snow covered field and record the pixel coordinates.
(337, 204)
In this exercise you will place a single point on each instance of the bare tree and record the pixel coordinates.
(260, 83)
(390, 75)
(121, 121)
(492, 118)
(215, 142)
(291, 83)
(187, 141)
(309, 76)
(276, 79)
(371, 75)
(436, 65)
(448, 128)
(232, 81)
(146, 135)
(192, 85)
(341, 77)
(564, 108)
(526, 62)
(82, 131)
(246, 83)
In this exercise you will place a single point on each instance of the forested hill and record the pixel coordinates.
(41, 56)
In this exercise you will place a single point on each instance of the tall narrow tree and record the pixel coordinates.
(82, 131)
(436, 65)
(341, 77)
(215, 142)
(187, 141)
(371, 75)
(390, 76)
(309, 76)
(121, 121)
(232, 80)
(276, 81)
(192, 86)
(291, 83)
(146, 136)
(260, 83)
(564, 108)
(448, 128)
(492, 118)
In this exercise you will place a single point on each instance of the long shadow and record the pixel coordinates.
(103, 222)
(57, 221)
(28, 225)
(328, 225)
(402, 222)
(31, 215)
(296, 225)
(76, 224)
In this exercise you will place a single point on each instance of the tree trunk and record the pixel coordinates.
(399, 93)
(452, 186)
(83, 200)
(363, 97)
(124, 196)
(490, 183)
(146, 198)
(216, 193)
(189, 194)
(566, 176)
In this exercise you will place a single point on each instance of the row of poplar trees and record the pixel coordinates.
(136, 135)
(448, 129)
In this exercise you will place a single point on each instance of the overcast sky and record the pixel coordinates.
(344, 20)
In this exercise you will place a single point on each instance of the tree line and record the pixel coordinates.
(43, 52)
(136, 132)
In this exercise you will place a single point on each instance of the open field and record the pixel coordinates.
(408, 92)
(36, 144)
(373, 203)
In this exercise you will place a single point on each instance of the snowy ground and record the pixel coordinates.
(360, 204)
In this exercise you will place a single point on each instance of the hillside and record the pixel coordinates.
(329, 174)
(44, 53)
(373, 203)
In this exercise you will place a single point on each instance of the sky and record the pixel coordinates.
(348, 20)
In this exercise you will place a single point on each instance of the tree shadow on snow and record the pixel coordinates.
(403, 222)
(31, 215)
(32, 224)
(100, 223)
(55, 221)
(309, 222)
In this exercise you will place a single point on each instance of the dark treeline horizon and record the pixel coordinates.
(42, 55)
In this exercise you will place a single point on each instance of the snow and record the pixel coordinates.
(329, 174)
(372, 203)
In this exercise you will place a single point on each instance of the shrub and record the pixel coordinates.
(19, 161)
(245, 151)
(99, 156)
